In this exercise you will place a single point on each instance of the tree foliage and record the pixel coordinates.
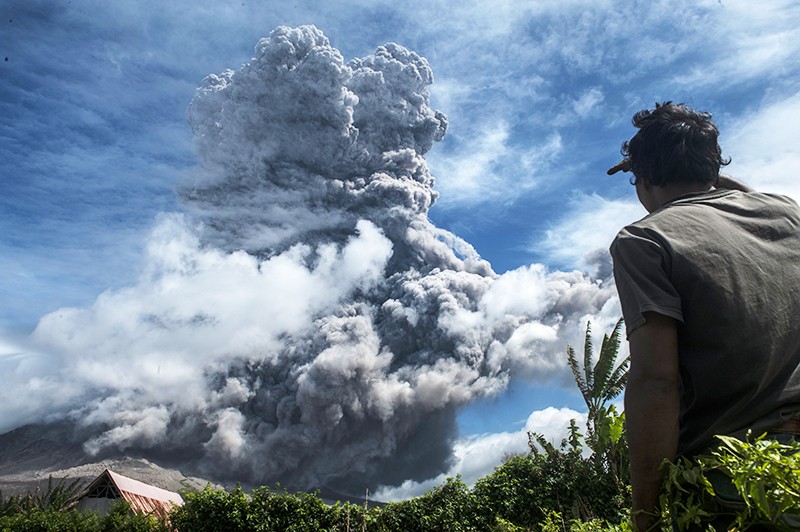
(58, 496)
(212, 510)
(50, 519)
(451, 506)
(599, 382)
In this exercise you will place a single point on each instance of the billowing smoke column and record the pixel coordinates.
(306, 323)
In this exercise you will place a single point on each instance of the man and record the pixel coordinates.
(709, 283)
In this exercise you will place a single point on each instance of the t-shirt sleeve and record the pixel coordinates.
(643, 283)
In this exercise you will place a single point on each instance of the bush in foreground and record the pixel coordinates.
(743, 483)
(39, 519)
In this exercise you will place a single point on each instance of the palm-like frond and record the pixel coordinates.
(60, 495)
(573, 365)
(605, 364)
(588, 348)
(546, 446)
(602, 370)
(600, 382)
(618, 379)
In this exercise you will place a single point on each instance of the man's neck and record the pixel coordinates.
(676, 191)
(665, 194)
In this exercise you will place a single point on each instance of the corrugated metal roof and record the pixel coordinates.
(141, 497)
(130, 485)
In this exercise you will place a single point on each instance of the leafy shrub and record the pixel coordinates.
(120, 517)
(58, 496)
(511, 493)
(555, 522)
(46, 510)
(263, 510)
(44, 520)
(212, 510)
(526, 489)
(449, 507)
(280, 510)
(742, 483)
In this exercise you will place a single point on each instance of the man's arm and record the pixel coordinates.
(652, 405)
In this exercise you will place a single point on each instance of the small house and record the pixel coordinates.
(110, 487)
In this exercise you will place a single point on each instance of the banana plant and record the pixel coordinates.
(599, 382)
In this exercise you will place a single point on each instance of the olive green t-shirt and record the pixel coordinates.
(726, 265)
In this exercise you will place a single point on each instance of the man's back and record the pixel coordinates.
(726, 265)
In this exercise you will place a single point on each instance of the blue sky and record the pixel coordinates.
(539, 95)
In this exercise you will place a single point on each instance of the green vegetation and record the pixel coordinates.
(59, 497)
(263, 509)
(569, 488)
(743, 483)
(599, 384)
(521, 494)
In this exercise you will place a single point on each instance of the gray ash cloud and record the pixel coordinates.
(304, 321)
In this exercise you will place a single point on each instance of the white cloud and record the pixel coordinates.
(539, 157)
(576, 109)
(761, 41)
(763, 146)
(477, 456)
(486, 169)
(501, 18)
(30, 386)
(588, 102)
(589, 224)
(469, 175)
(193, 308)
(449, 95)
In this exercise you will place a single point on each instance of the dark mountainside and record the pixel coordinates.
(31, 454)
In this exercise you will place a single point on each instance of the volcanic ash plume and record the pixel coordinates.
(304, 322)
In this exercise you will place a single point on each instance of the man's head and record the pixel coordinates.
(675, 145)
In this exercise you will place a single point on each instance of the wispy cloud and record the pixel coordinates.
(588, 101)
(760, 41)
(582, 235)
(763, 145)
(469, 174)
(485, 169)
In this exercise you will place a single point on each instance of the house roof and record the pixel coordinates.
(141, 497)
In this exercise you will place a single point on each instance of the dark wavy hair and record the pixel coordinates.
(675, 144)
